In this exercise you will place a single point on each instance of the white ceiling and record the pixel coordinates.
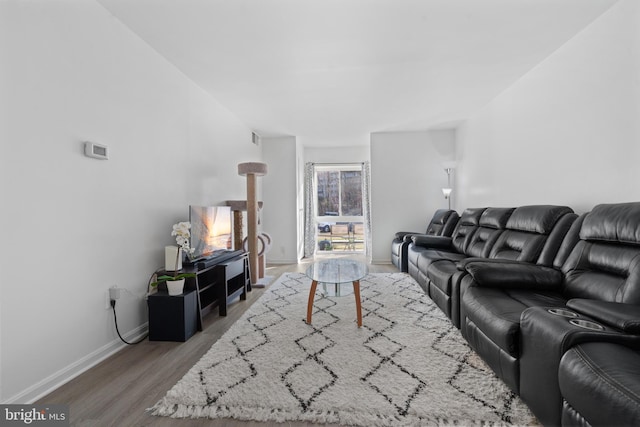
(331, 72)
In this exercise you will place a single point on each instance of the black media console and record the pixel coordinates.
(219, 280)
(172, 318)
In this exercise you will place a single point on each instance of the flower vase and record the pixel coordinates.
(171, 255)
(175, 287)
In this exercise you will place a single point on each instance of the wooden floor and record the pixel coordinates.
(117, 391)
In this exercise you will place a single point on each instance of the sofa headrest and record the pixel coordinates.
(495, 217)
(618, 222)
(537, 218)
(441, 216)
(471, 216)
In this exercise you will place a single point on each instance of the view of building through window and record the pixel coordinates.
(339, 204)
(340, 193)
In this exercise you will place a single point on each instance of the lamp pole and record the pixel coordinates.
(448, 190)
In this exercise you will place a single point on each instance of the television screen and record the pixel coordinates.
(210, 230)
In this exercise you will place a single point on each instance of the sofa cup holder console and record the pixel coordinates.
(581, 323)
(587, 324)
(562, 312)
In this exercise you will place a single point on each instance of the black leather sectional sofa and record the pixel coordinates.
(550, 300)
(442, 224)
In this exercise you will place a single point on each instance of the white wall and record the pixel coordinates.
(280, 214)
(568, 132)
(355, 154)
(73, 225)
(407, 176)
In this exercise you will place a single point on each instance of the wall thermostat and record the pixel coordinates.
(96, 151)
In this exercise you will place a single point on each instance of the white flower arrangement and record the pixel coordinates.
(182, 235)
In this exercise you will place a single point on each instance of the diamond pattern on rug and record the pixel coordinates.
(250, 341)
(266, 319)
(374, 322)
(383, 346)
(398, 386)
(323, 304)
(407, 365)
(315, 343)
(241, 373)
(297, 381)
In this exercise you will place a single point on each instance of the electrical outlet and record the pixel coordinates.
(114, 292)
(107, 300)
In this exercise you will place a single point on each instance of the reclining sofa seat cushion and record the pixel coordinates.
(600, 385)
(516, 245)
(601, 281)
(534, 234)
(454, 247)
(442, 223)
(602, 266)
(441, 272)
(605, 263)
(446, 246)
(490, 316)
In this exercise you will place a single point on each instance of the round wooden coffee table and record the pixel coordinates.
(336, 271)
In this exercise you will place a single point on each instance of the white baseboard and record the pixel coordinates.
(63, 376)
(381, 261)
(282, 261)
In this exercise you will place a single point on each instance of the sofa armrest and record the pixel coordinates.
(462, 264)
(618, 315)
(402, 235)
(432, 242)
(514, 275)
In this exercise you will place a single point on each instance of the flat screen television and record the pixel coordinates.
(210, 230)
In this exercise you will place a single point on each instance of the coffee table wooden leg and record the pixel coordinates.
(312, 295)
(356, 292)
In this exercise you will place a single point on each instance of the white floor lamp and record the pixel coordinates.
(446, 191)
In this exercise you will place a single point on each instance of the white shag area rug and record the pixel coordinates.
(407, 365)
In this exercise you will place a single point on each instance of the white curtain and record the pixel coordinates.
(309, 211)
(366, 208)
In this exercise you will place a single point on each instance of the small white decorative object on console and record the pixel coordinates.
(171, 258)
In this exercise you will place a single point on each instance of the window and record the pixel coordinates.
(339, 192)
(339, 207)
